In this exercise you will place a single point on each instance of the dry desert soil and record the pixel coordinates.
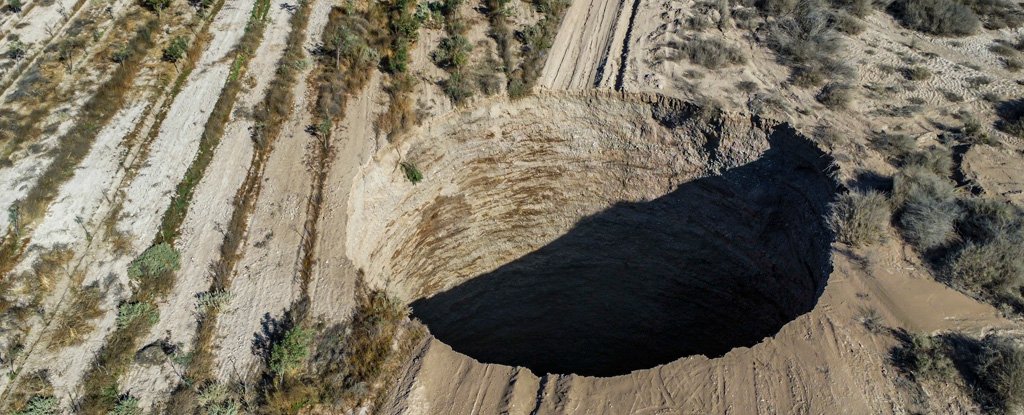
(511, 207)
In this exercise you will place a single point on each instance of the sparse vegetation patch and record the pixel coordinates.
(711, 53)
(860, 218)
(936, 17)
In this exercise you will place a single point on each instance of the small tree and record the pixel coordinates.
(127, 405)
(411, 172)
(129, 313)
(176, 50)
(157, 5)
(17, 50)
(927, 207)
(121, 54)
(287, 355)
(452, 52)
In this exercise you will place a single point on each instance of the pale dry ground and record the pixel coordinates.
(167, 158)
(824, 361)
(37, 27)
(333, 274)
(265, 281)
(31, 160)
(204, 226)
(587, 51)
(78, 209)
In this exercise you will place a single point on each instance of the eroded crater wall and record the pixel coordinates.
(597, 234)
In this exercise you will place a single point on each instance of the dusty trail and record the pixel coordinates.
(178, 140)
(587, 50)
(333, 274)
(150, 192)
(265, 280)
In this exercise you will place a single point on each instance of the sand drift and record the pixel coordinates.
(597, 234)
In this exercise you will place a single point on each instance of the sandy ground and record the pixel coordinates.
(587, 51)
(824, 361)
(83, 195)
(44, 24)
(175, 146)
(265, 281)
(168, 159)
(203, 229)
(19, 178)
(334, 275)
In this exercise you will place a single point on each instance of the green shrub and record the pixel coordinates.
(847, 23)
(458, 88)
(211, 300)
(176, 49)
(216, 399)
(74, 323)
(453, 52)
(893, 146)
(201, 5)
(973, 133)
(154, 262)
(936, 17)
(121, 54)
(1011, 114)
(860, 218)
(398, 61)
(806, 42)
(985, 219)
(411, 172)
(995, 268)
(41, 405)
(156, 5)
(859, 8)
(288, 355)
(358, 360)
(14, 6)
(16, 50)
(997, 14)
(992, 367)
(927, 207)
(126, 405)
(711, 53)
(131, 313)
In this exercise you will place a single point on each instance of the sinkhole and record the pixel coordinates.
(597, 234)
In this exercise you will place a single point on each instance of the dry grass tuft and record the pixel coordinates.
(860, 218)
(75, 322)
(926, 207)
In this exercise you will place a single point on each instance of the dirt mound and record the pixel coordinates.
(597, 234)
